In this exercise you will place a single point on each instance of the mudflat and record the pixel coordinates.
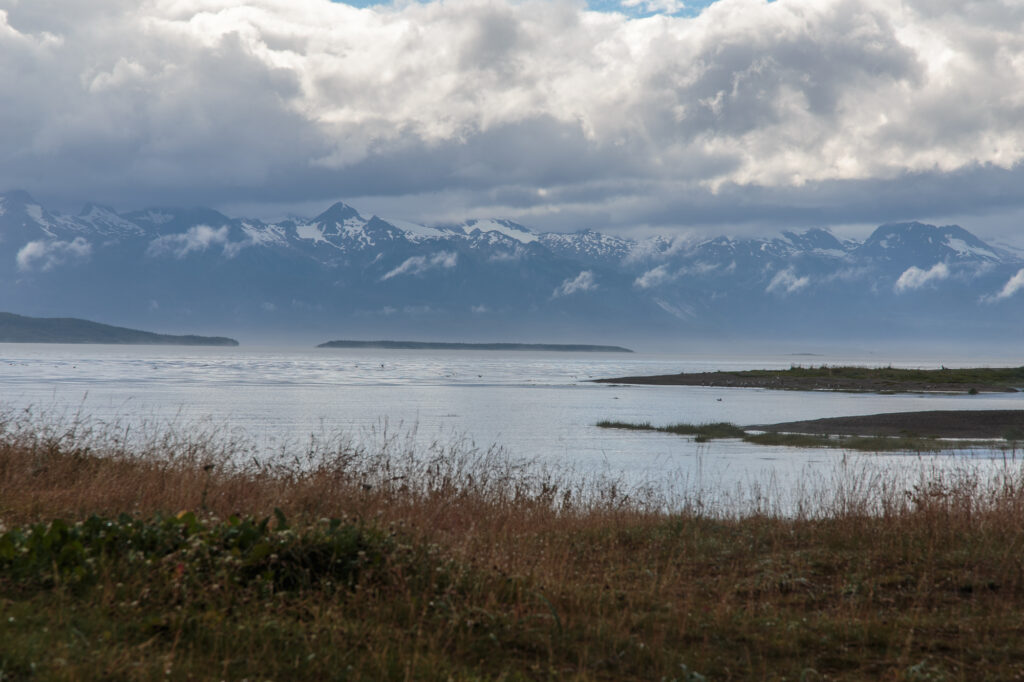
(933, 423)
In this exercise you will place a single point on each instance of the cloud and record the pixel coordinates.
(915, 278)
(46, 255)
(653, 277)
(420, 264)
(507, 256)
(786, 282)
(1012, 286)
(582, 282)
(474, 106)
(197, 238)
(681, 312)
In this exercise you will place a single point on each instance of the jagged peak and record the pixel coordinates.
(196, 215)
(91, 209)
(816, 237)
(18, 197)
(338, 212)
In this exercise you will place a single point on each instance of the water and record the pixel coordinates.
(537, 406)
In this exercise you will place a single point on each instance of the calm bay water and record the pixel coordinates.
(537, 406)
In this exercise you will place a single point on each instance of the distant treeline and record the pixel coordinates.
(21, 329)
(429, 345)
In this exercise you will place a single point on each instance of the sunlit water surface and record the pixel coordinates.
(537, 406)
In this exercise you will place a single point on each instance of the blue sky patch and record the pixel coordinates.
(644, 8)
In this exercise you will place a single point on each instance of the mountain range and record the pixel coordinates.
(341, 274)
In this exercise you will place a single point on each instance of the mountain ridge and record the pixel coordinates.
(487, 279)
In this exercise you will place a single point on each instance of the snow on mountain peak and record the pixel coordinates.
(587, 244)
(508, 228)
(105, 221)
(968, 250)
(418, 232)
(310, 231)
(264, 235)
(926, 244)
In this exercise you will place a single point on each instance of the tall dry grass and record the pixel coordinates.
(71, 466)
(865, 573)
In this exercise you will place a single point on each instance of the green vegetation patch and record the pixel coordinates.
(1000, 376)
(922, 595)
(700, 431)
(239, 551)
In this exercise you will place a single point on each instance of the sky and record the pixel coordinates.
(631, 117)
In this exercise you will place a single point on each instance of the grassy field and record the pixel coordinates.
(996, 376)
(181, 555)
(848, 378)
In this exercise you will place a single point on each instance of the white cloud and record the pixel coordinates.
(196, 238)
(215, 98)
(653, 277)
(419, 264)
(582, 282)
(681, 312)
(1012, 286)
(786, 282)
(46, 255)
(915, 278)
(507, 256)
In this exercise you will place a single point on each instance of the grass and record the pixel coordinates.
(175, 555)
(711, 431)
(707, 431)
(1012, 377)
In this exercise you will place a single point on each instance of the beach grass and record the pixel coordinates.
(998, 376)
(183, 555)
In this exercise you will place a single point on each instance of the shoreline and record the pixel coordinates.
(438, 345)
(844, 379)
(966, 424)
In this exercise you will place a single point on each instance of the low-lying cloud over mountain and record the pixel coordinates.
(343, 274)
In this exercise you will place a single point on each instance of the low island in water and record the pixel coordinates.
(849, 378)
(432, 345)
(21, 329)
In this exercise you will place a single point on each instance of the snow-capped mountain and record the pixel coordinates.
(344, 273)
(920, 245)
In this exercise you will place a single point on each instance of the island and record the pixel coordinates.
(848, 378)
(431, 345)
(22, 329)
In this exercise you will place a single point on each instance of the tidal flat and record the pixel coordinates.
(928, 431)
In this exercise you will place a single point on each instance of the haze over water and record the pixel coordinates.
(537, 406)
